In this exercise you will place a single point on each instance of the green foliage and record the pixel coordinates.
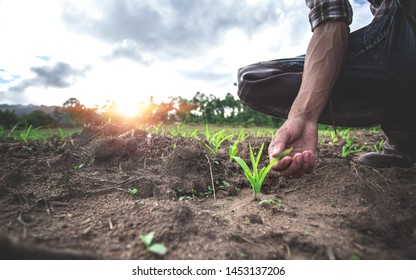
(256, 177)
(214, 142)
(156, 248)
(350, 148)
(272, 202)
(39, 118)
(7, 118)
(21, 132)
(379, 147)
(375, 130)
(233, 150)
(133, 191)
(78, 166)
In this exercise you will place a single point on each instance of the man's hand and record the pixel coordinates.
(302, 135)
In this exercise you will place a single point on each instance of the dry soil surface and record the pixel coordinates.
(73, 199)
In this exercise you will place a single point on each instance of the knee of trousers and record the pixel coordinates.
(267, 88)
(409, 9)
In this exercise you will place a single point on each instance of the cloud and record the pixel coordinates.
(61, 75)
(129, 49)
(174, 28)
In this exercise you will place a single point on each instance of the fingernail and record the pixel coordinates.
(275, 150)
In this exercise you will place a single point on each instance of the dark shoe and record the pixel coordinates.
(389, 157)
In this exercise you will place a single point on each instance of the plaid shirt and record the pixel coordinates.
(324, 10)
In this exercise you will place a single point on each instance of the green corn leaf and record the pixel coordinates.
(210, 149)
(158, 248)
(265, 170)
(148, 238)
(246, 169)
(251, 178)
(243, 164)
(253, 160)
(284, 153)
(259, 155)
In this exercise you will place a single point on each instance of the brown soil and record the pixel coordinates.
(51, 210)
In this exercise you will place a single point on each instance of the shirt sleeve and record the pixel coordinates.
(325, 10)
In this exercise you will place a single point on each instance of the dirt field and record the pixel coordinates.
(72, 199)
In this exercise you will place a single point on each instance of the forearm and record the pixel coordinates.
(323, 62)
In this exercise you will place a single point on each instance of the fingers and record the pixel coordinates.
(282, 164)
(300, 164)
(278, 143)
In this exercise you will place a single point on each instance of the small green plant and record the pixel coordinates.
(156, 248)
(216, 140)
(133, 191)
(78, 166)
(350, 148)
(25, 134)
(375, 130)
(194, 134)
(62, 134)
(179, 131)
(255, 176)
(379, 147)
(2, 133)
(345, 133)
(185, 198)
(272, 202)
(207, 133)
(334, 137)
(157, 128)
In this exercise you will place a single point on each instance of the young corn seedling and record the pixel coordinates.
(256, 177)
(350, 148)
(216, 140)
(271, 202)
(375, 130)
(133, 191)
(334, 137)
(207, 133)
(234, 148)
(155, 248)
(379, 147)
(179, 131)
(78, 166)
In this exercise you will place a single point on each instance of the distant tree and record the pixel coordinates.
(75, 114)
(207, 106)
(8, 118)
(183, 109)
(163, 111)
(229, 110)
(73, 103)
(232, 106)
(39, 118)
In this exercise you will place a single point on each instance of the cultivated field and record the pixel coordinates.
(99, 194)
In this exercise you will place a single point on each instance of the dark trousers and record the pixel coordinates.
(377, 85)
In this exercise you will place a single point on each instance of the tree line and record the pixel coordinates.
(201, 108)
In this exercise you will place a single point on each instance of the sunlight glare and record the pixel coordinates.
(128, 109)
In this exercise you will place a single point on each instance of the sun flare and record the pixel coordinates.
(128, 109)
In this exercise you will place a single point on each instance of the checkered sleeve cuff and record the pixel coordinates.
(325, 10)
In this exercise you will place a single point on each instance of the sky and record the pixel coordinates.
(128, 50)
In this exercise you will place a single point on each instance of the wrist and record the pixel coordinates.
(302, 119)
(305, 111)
